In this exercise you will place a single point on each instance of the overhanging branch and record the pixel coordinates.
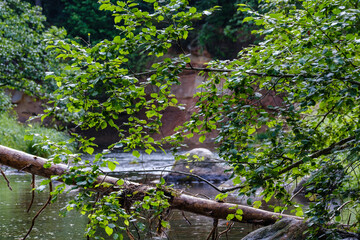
(325, 151)
(35, 165)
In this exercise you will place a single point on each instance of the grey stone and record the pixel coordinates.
(286, 229)
(201, 162)
(290, 229)
(16, 97)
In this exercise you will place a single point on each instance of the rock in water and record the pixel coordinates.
(290, 229)
(285, 229)
(201, 162)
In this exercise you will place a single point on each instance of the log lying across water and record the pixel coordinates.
(35, 165)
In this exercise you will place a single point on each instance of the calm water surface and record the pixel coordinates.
(15, 221)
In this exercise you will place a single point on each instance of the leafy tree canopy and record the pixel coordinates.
(23, 57)
(84, 21)
(308, 59)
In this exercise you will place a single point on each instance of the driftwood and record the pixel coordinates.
(217, 210)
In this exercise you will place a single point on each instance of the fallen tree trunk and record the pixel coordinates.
(35, 165)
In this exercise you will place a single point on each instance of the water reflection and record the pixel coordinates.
(14, 221)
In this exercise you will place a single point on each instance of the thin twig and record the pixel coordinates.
(32, 192)
(136, 229)
(339, 208)
(295, 194)
(40, 211)
(179, 172)
(226, 230)
(319, 153)
(213, 232)
(324, 117)
(131, 237)
(27, 166)
(187, 220)
(6, 179)
(292, 197)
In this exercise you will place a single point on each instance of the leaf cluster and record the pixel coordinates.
(23, 57)
(288, 107)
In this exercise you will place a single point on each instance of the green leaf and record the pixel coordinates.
(257, 204)
(29, 137)
(230, 217)
(202, 138)
(45, 182)
(251, 131)
(239, 217)
(136, 153)
(120, 182)
(192, 10)
(111, 165)
(109, 230)
(244, 9)
(248, 19)
(117, 39)
(162, 181)
(103, 125)
(89, 150)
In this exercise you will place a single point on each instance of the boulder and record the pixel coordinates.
(282, 230)
(290, 229)
(201, 162)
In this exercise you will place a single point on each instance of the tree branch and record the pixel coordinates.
(40, 211)
(6, 179)
(319, 153)
(324, 117)
(172, 171)
(251, 73)
(32, 164)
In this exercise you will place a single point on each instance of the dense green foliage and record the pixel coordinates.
(222, 33)
(308, 61)
(23, 58)
(100, 86)
(23, 66)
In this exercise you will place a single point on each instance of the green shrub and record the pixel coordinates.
(5, 102)
(33, 139)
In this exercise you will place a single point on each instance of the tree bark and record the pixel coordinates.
(35, 165)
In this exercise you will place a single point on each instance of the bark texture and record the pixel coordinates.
(35, 165)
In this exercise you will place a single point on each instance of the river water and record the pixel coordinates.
(15, 221)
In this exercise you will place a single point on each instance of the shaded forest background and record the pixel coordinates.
(223, 33)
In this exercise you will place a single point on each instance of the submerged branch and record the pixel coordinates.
(40, 211)
(6, 179)
(32, 192)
